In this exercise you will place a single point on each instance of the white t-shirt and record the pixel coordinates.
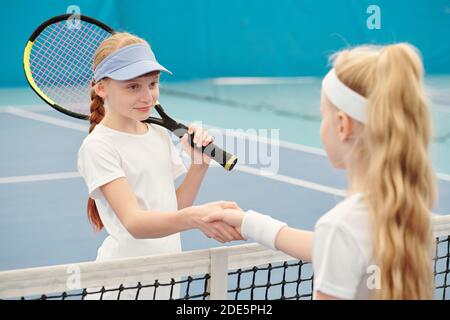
(342, 250)
(150, 163)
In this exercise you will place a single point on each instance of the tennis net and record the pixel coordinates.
(242, 272)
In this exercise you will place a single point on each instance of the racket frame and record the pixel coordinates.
(167, 122)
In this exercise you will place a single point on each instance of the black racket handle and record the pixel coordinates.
(225, 159)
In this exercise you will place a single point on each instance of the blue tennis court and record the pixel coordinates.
(43, 198)
(250, 73)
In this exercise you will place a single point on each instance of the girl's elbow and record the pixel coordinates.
(136, 235)
(134, 229)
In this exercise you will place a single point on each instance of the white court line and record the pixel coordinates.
(286, 144)
(30, 107)
(266, 174)
(47, 119)
(443, 176)
(242, 168)
(26, 113)
(239, 134)
(291, 180)
(261, 139)
(240, 81)
(40, 177)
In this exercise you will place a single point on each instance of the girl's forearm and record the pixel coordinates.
(296, 243)
(155, 224)
(188, 190)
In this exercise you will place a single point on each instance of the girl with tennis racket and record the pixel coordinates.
(130, 166)
(128, 160)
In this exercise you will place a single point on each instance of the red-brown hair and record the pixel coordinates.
(108, 46)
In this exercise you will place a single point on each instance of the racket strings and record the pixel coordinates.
(70, 50)
(78, 43)
(61, 62)
(46, 60)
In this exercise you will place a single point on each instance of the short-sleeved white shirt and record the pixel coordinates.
(150, 163)
(342, 250)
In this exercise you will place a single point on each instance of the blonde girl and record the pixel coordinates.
(377, 243)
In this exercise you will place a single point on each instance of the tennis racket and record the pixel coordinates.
(58, 60)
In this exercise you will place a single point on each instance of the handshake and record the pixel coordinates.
(224, 221)
(219, 220)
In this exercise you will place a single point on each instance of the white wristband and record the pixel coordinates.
(261, 228)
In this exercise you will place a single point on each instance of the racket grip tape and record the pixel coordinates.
(225, 159)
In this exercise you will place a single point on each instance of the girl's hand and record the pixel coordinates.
(201, 139)
(225, 232)
(218, 230)
(231, 216)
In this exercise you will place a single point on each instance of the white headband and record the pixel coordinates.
(344, 98)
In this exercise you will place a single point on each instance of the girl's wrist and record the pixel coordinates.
(261, 228)
(186, 218)
(200, 167)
